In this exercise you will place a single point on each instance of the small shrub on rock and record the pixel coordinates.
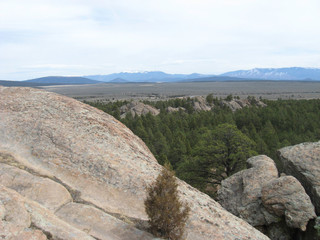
(167, 214)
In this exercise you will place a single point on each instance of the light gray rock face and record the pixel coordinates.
(286, 196)
(241, 193)
(99, 224)
(200, 104)
(233, 105)
(242, 102)
(303, 162)
(137, 108)
(54, 198)
(258, 196)
(237, 104)
(24, 218)
(102, 164)
(42, 190)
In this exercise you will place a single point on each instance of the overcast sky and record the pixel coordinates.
(84, 37)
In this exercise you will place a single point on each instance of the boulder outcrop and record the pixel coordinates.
(303, 162)
(237, 104)
(137, 108)
(241, 193)
(233, 105)
(200, 104)
(260, 197)
(101, 164)
(286, 196)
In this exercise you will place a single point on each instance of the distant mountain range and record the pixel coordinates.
(294, 73)
(154, 76)
(283, 74)
(47, 81)
(63, 80)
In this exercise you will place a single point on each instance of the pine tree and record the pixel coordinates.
(167, 214)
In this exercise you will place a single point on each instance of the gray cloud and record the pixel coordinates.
(208, 36)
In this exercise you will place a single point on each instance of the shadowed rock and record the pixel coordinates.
(100, 162)
(303, 162)
(258, 196)
(241, 193)
(286, 196)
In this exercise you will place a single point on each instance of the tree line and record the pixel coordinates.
(204, 147)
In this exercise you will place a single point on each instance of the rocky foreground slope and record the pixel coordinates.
(70, 171)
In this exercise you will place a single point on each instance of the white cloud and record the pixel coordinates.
(104, 36)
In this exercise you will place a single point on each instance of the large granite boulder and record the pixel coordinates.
(104, 167)
(237, 104)
(233, 105)
(286, 196)
(303, 162)
(260, 197)
(241, 193)
(200, 104)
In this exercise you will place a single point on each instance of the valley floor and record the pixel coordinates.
(158, 91)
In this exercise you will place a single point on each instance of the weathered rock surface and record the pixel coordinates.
(42, 190)
(100, 162)
(23, 217)
(137, 108)
(261, 198)
(286, 196)
(243, 102)
(99, 224)
(241, 193)
(200, 104)
(237, 104)
(233, 105)
(303, 162)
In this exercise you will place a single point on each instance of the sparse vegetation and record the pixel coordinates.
(167, 213)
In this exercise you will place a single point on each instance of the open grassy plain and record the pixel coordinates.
(156, 91)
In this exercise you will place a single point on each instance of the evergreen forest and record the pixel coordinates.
(205, 147)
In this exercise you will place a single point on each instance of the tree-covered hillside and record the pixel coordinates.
(204, 147)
